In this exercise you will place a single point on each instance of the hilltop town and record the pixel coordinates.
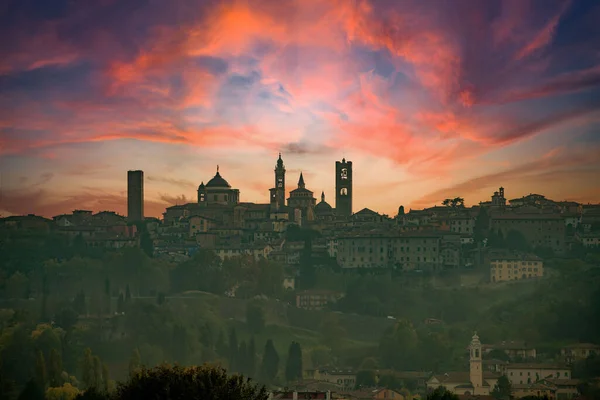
(382, 306)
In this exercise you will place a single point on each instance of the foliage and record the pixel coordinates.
(64, 392)
(293, 366)
(270, 363)
(441, 394)
(32, 391)
(135, 362)
(366, 378)
(205, 382)
(502, 390)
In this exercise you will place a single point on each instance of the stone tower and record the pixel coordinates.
(135, 196)
(278, 192)
(343, 188)
(476, 366)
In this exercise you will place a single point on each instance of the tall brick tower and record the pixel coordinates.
(135, 196)
(343, 188)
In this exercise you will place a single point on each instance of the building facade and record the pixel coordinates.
(511, 266)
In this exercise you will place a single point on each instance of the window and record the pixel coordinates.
(344, 191)
(344, 173)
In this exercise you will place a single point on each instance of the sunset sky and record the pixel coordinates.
(429, 99)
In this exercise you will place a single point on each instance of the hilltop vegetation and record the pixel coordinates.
(121, 309)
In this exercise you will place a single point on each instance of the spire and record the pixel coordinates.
(217, 168)
(323, 196)
(279, 161)
(301, 181)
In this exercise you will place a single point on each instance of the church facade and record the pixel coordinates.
(475, 382)
(221, 202)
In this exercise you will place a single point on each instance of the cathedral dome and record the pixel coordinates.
(218, 182)
(323, 207)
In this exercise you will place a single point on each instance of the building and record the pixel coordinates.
(324, 211)
(498, 199)
(513, 349)
(343, 188)
(217, 191)
(135, 196)
(579, 351)
(316, 299)
(511, 266)
(277, 193)
(372, 394)
(539, 229)
(418, 250)
(345, 379)
(526, 373)
(477, 381)
(301, 199)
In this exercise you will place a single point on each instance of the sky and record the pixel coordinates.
(429, 99)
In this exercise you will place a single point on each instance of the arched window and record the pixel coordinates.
(344, 191)
(344, 173)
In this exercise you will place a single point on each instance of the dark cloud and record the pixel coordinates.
(172, 181)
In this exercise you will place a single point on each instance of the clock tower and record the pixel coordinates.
(278, 192)
(343, 188)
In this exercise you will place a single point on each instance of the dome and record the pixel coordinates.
(218, 182)
(323, 207)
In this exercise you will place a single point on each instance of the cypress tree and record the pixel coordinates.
(270, 363)
(251, 358)
(233, 350)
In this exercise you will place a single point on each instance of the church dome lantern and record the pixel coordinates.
(218, 182)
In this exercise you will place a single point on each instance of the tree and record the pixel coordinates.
(242, 362)
(32, 391)
(515, 240)
(107, 295)
(146, 243)
(87, 369)
(175, 382)
(55, 369)
(121, 304)
(79, 303)
(270, 363)
(127, 294)
(293, 366)
(366, 378)
(64, 392)
(251, 358)
(441, 394)
(41, 375)
(482, 225)
(67, 318)
(221, 346)
(135, 362)
(233, 350)
(160, 298)
(255, 317)
(502, 389)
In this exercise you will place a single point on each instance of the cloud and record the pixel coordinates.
(183, 183)
(429, 88)
(556, 165)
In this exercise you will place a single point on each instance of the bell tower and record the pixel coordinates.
(278, 191)
(475, 366)
(343, 188)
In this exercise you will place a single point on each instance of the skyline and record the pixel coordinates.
(428, 102)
